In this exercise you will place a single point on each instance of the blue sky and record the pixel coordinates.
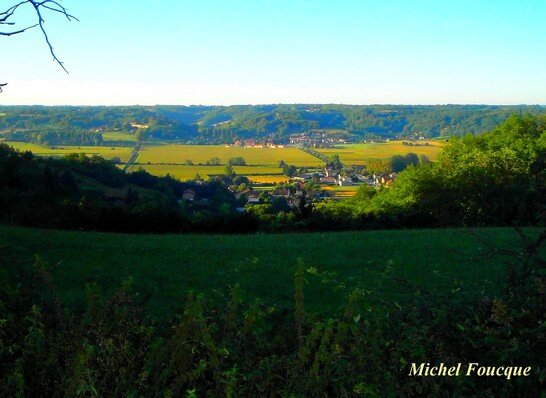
(257, 51)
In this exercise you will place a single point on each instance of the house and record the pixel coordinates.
(304, 177)
(284, 192)
(384, 179)
(300, 187)
(344, 181)
(328, 180)
(189, 195)
(254, 197)
(329, 172)
(250, 195)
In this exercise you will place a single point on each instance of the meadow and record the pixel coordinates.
(118, 136)
(123, 153)
(164, 268)
(359, 154)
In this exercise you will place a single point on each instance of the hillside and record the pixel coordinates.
(224, 124)
(165, 268)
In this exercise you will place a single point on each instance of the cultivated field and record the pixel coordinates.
(360, 153)
(182, 172)
(261, 162)
(341, 192)
(123, 153)
(178, 154)
(164, 268)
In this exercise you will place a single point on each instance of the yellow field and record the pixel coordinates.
(123, 153)
(360, 153)
(201, 153)
(341, 192)
(268, 179)
(261, 174)
(262, 161)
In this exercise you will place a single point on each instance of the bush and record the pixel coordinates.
(230, 347)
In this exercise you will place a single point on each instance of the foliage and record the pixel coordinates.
(237, 161)
(498, 178)
(81, 192)
(225, 124)
(230, 346)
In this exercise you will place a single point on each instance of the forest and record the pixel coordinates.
(225, 124)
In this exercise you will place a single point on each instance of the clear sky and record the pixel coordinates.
(283, 51)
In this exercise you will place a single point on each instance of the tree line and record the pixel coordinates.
(497, 178)
(225, 124)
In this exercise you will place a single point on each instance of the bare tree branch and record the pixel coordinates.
(16, 32)
(39, 7)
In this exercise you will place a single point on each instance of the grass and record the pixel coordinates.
(165, 268)
(201, 153)
(118, 136)
(361, 153)
(123, 153)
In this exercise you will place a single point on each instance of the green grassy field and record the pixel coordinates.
(165, 268)
(201, 153)
(118, 136)
(124, 153)
(360, 153)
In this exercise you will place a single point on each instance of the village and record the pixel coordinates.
(308, 139)
(310, 186)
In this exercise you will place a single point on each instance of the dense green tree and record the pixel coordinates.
(213, 162)
(398, 163)
(237, 161)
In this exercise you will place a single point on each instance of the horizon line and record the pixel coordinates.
(276, 104)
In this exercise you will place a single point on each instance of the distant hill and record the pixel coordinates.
(220, 124)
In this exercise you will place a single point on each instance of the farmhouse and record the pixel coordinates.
(304, 177)
(250, 195)
(284, 192)
(328, 180)
(330, 172)
(344, 181)
(384, 179)
(189, 194)
(300, 187)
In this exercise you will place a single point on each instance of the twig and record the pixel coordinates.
(39, 6)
